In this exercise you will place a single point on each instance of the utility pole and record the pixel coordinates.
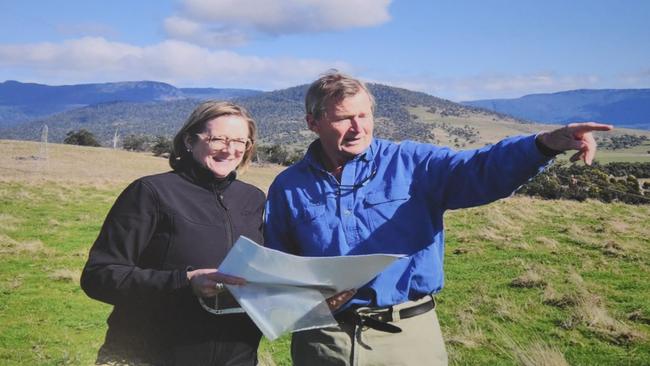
(43, 152)
(116, 138)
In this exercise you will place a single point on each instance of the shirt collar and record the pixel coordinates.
(315, 149)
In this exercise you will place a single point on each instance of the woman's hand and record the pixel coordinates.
(210, 282)
(339, 299)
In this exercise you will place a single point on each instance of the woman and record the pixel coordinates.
(159, 247)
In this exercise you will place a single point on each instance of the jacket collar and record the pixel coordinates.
(196, 173)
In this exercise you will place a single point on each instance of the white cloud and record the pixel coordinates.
(500, 86)
(94, 59)
(244, 19)
(184, 29)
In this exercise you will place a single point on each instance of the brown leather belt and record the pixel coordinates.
(381, 319)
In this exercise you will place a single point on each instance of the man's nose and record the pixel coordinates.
(355, 124)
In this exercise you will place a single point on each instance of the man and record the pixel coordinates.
(353, 194)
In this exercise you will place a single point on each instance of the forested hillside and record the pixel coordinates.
(401, 114)
(20, 102)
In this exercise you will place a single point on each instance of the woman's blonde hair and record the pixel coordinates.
(195, 123)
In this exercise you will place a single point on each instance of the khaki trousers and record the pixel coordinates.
(419, 343)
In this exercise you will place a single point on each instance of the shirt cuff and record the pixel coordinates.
(545, 150)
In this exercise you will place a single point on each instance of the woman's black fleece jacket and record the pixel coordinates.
(160, 227)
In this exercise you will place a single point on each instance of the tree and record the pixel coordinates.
(278, 154)
(162, 145)
(82, 137)
(135, 143)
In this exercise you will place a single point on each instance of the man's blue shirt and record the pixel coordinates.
(391, 199)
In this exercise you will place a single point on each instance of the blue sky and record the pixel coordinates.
(458, 50)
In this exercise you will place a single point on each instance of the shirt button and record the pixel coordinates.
(347, 212)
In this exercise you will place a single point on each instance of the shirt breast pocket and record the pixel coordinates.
(313, 230)
(388, 206)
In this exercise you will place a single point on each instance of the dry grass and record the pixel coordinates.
(529, 279)
(613, 249)
(13, 283)
(65, 275)
(536, 353)
(261, 176)
(68, 163)
(91, 166)
(491, 130)
(619, 226)
(583, 236)
(592, 313)
(639, 317)
(491, 234)
(547, 242)
(468, 334)
(553, 298)
(588, 310)
(8, 222)
(460, 250)
(500, 223)
(500, 218)
(505, 309)
(540, 354)
(10, 246)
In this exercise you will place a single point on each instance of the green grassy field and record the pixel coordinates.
(528, 282)
(639, 153)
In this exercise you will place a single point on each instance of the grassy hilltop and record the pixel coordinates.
(528, 282)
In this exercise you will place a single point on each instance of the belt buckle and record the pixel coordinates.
(382, 317)
(370, 321)
(380, 314)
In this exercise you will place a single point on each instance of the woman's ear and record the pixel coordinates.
(187, 141)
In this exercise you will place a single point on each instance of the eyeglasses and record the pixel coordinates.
(221, 142)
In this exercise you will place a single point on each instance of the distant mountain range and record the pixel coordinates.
(622, 107)
(154, 108)
(25, 101)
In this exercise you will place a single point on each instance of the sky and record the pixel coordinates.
(458, 50)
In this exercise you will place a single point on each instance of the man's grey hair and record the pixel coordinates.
(332, 87)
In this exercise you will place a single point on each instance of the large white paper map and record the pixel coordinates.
(287, 293)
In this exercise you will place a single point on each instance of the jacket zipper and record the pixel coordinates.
(228, 218)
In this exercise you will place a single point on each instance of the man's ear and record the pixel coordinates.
(311, 123)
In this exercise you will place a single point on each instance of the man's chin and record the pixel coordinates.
(354, 150)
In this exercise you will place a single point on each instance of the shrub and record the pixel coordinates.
(162, 145)
(82, 137)
(136, 143)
